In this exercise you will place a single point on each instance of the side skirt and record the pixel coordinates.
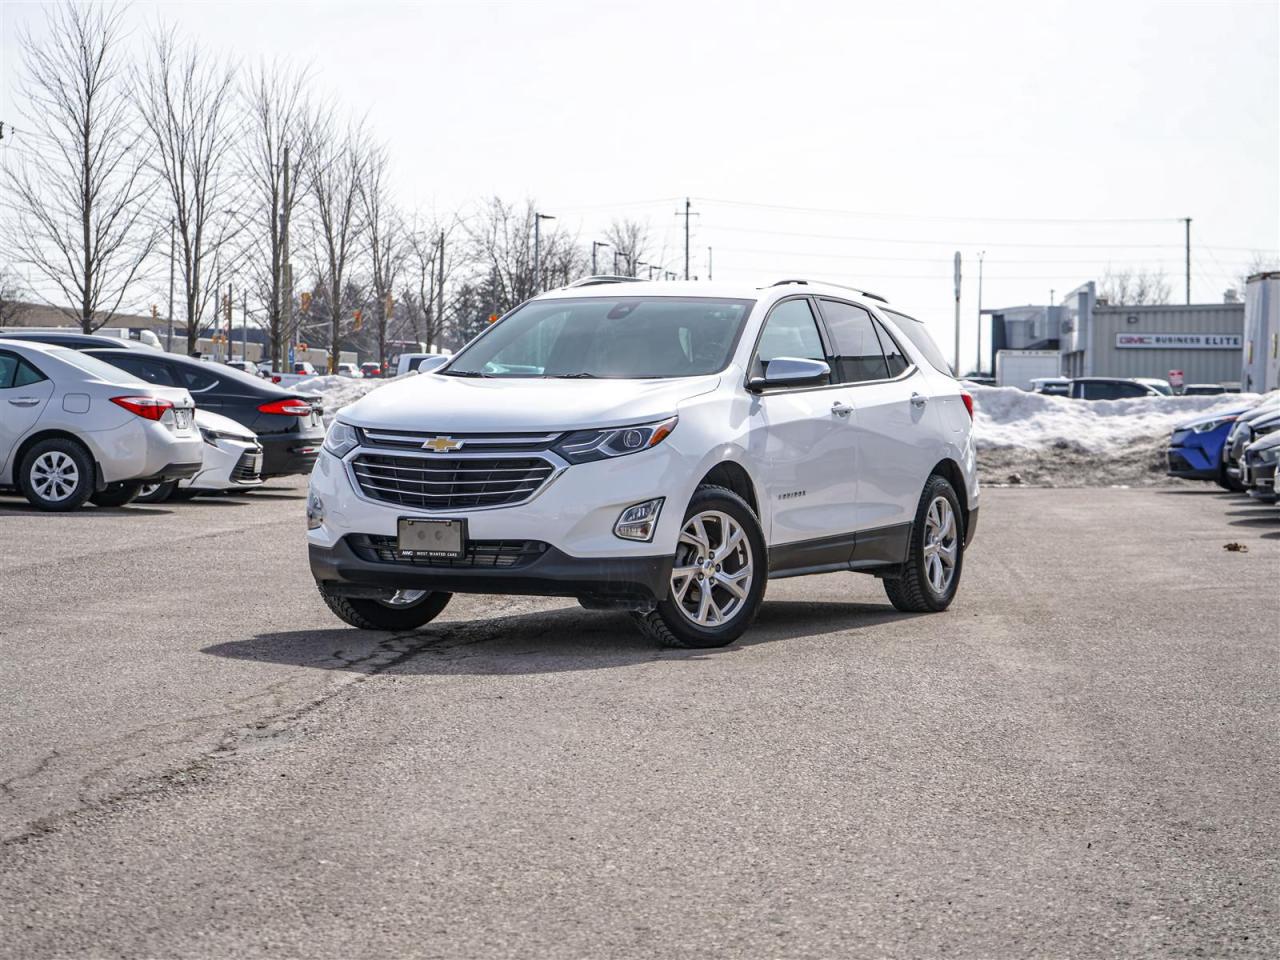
(880, 551)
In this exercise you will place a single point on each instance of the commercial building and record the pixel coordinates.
(1205, 342)
(1261, 333)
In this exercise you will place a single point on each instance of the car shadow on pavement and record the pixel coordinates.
(1259, 520)
(1207, 491)
(25, 509)
(545, 642)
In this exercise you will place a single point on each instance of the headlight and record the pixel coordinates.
(341, 438)
(1269, 455)
(209, 436)
(587, 445)
(1207, 426)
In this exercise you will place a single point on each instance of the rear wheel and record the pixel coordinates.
(116, 494)
(718, 576)
(156, 492)
(403, 610)
(56, 475)
(931, 575)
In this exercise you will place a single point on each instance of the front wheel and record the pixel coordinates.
(931, 575)
(718, 576)
(403, 610)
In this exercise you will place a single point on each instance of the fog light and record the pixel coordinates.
(315, 512)
(639, 520)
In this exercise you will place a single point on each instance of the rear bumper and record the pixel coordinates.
(621, 581)
(175, 471)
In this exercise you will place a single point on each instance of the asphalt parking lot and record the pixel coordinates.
(1078, 759)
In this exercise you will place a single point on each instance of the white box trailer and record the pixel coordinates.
(1017, 368)
(1261, 333)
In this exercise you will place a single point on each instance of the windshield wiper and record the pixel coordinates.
(574, 376)
(463, 373)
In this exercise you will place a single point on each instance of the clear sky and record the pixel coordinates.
(862, 142)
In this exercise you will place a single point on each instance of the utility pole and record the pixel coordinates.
(615, 264)
(537, 250)
(708, 263)
(595, 245)
(686, 214)
(284, 321)
(981, 255)
(1187, 221)
(439, 295)
(957, 371)
(168, 343)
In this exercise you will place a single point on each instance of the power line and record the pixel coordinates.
(910, 216)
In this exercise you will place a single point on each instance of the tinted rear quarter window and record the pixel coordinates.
(858, 356)
(914, 331)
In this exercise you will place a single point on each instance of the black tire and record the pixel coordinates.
(33, 471)
(913, 592)
(1228, 482)
(116, 494)
(156, 492)
(367, 614)
(669, 624)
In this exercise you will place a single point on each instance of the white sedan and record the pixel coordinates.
(232, 461)
(73, 428)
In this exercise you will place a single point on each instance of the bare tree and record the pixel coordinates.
(278, 136)
(630, 241)
(334, 177)
(502, 248)
(10, 291)
(186, 98)
(1134, 288)
(384, 233)
(78, 204)
(433, 261)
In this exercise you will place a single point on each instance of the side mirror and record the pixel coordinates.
(790, 372)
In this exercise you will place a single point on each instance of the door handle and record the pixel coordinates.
(918, 400)
(841, 409)
(25, 401)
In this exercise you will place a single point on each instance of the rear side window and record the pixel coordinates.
(858, 356)
(8, 370)
(145, 369)
(197, 380)
(790, 331)
(26, 375)
(893, 354)
(914, 331)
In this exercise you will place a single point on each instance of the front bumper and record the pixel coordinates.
(289, 453)
(1262, 482)
(636, 582)
(1192, 463)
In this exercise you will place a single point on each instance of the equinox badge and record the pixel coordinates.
(442, 444)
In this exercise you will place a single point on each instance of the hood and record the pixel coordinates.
(1265, 442)
(466, 405)
(224, 425)
(1232, 414)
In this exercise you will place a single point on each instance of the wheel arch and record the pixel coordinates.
(951, 471)
(734, 476)
(53, 434)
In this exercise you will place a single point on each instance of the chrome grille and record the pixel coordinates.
(449, 483)
(471, 442)
(479, 553)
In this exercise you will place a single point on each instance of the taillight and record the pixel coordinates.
(968, 403)
(275, 378)
(149, 408)
(287, 408)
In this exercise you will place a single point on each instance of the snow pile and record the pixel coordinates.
(337, 392)
(1008, 417)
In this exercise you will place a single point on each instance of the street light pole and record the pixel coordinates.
(596, 245)
(981, 254)
(537, 249)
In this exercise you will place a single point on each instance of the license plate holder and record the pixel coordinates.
(182, 418)
(431, 537)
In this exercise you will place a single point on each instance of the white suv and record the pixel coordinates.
(663, 448)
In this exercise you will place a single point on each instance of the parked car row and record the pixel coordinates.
(92, 418)
(1119, 388)
(1236, 450)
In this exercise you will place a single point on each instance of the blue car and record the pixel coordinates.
(1195, 449)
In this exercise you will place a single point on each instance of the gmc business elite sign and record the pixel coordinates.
(1184, 341)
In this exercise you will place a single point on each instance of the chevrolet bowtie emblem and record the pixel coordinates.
(442, 444)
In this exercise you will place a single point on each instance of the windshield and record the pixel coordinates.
(607, 337)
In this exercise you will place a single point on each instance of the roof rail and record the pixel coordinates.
(842, 286)
(604, 278)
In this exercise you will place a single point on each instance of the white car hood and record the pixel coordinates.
(223, 425)
(467, 405)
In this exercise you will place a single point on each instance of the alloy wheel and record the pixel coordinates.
(54, 476)
(711, 579)
(941, 545)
